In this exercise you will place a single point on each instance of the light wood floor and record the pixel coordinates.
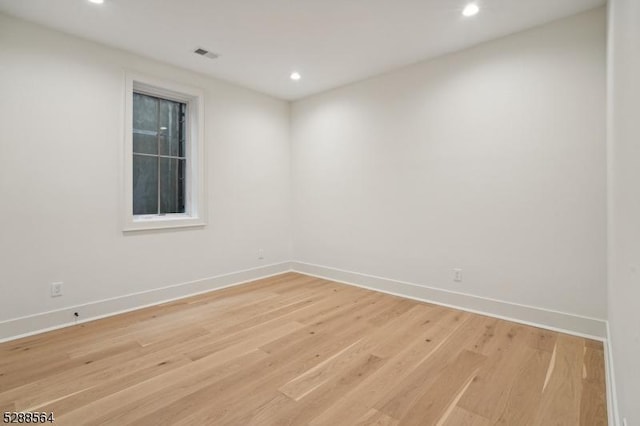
(296, 350)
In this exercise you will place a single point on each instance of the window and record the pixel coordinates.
(164, 184)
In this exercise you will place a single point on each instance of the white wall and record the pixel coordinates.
(490, 159)
(61, 133)
(624, 202)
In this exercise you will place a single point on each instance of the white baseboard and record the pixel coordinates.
(592, 328)
(38, 323)
(612, 397)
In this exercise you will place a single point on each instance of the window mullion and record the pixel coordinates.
(143, 154)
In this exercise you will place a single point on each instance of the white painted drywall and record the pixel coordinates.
(491, 160)
(61, 133)
(624, 202)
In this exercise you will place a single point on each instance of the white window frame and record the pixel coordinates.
(195, 194)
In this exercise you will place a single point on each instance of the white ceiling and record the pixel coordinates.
(330, 42)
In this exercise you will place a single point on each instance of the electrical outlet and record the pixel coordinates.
(261, 254)
(457, 274)
(56, 289)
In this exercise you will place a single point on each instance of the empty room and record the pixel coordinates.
(305, 212)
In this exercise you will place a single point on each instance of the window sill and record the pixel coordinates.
(153, 222)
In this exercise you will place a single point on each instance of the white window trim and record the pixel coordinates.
(195, 177)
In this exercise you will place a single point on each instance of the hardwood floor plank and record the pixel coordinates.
(148, 398)
(318, 399)
(308, 381)
(387, 382)
(593, 407)
(68, 403)
(385, 340)
(253, 385)
(374, 417)
(543, 340)
(461, 417)
(521, 400)
(452, 382)
(398, 307)
(507, 352)
(40, 371)
(187, 374)
(402, 397)
(7, 407)
(561, 396)
(85, 375)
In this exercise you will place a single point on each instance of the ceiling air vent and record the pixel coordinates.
(204, 52)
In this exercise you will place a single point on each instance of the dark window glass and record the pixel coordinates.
(159, 162)
(145, 185)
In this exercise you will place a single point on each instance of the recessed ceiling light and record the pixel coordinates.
(96, 1)
(295, 76)
(470, 9)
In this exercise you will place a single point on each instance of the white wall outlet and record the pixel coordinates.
(261, 254)
(56, 289)
(457, 274)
